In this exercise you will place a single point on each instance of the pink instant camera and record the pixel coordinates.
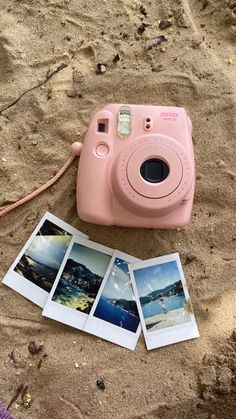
(136, 167)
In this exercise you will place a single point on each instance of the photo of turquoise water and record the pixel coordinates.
(161, 295)
(117, 304)
(172, 303)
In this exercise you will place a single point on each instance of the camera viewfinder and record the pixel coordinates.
(102, 125)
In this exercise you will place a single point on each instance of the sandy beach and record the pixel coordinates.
(51, 56)
(172, 318)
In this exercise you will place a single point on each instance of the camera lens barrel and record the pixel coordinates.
(154, 170)
(152, 175)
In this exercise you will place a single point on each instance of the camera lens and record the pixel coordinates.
(154, 170)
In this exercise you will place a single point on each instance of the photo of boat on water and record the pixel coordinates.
(42, 259)
(81, 277)
(161, 296)
(117, 303)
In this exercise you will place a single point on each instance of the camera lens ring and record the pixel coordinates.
(148, 189)
(153, 205)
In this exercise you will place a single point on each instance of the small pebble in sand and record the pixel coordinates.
(13, 357)
(101, 68)
(197, 42)
(76, 365)
(157, 67)
(72, 93)
(4, 160)
(66, 1)
(143, 27)
(220, 163)
(154, 42)
(165, 24)
(100, 384)
(35, 348)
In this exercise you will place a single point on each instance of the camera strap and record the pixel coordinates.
(7, 208)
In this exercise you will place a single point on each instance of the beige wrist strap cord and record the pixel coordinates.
(76, 149)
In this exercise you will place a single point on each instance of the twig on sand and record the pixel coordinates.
(16, 395)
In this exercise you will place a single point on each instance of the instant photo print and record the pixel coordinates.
(163, 301)
(35, 269)
(78, 282)
(114, 315)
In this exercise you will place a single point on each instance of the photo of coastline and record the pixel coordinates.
(161, 296)
(42, 259)
(117, 303)
(81, 278)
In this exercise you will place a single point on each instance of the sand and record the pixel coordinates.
(49, 50)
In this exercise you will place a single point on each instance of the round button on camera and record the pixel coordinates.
(102, 150)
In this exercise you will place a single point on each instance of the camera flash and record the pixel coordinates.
(124, 121)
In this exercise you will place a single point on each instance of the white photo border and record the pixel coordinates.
(104, 329)
(171, 334)
(60, 312)
(24, 286)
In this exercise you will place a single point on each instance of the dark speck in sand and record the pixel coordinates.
(100, 384)
(143, 27)
(143, 10)
(204, 4)
(124, 35)
(116, 58)
(189, 258)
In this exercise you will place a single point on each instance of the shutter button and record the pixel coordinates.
(102, 150)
